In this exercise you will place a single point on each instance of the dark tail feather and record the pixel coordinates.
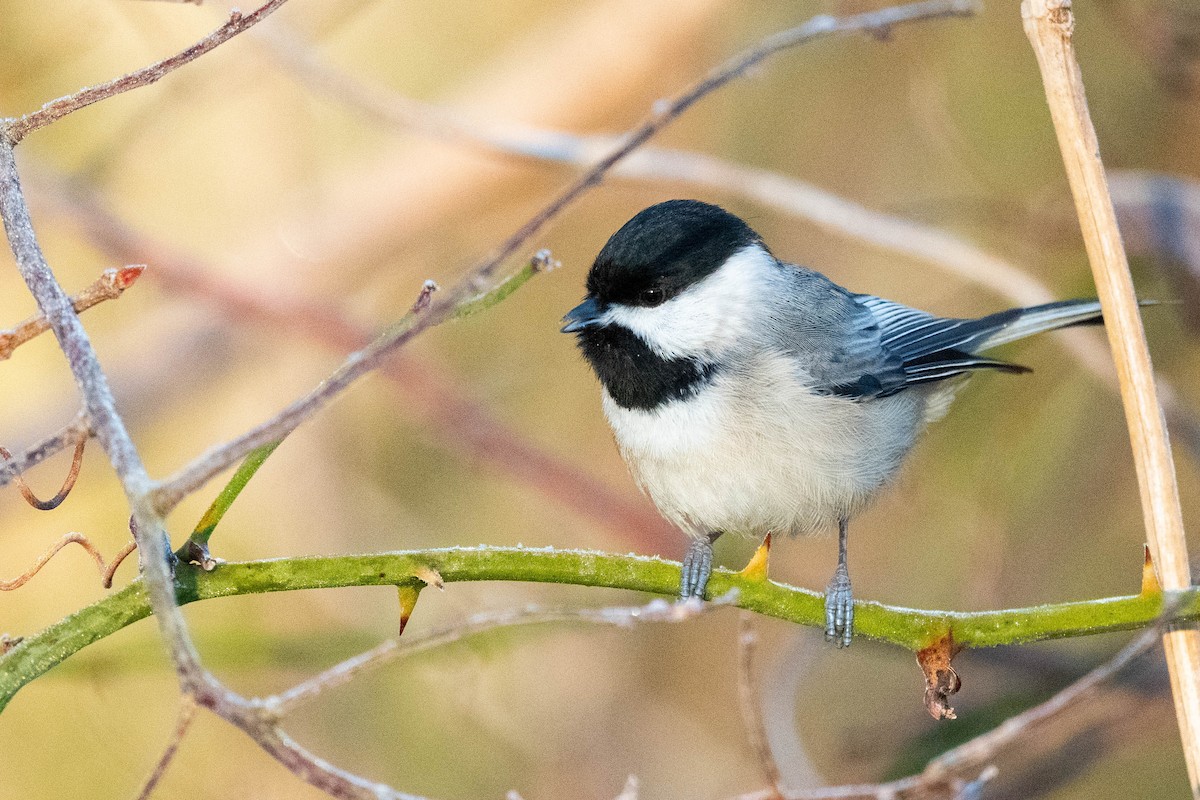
(1019, 323)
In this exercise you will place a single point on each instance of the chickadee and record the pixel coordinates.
(754, 396)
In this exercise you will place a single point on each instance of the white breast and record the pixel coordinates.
(755, 452)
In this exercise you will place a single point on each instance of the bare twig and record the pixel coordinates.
(58, 312)
(146, 523)
(11, 468)
(259, 718)
(750, 702)
(171, 491)
(187, 712)
(1049, 25)
(392, 649)
(14, 130)
(107, 569)
(108, 573)
(312, 769)
(109, 286)
(67, 485)
(478, 279)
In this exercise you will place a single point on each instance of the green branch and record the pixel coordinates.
(904, 627)
(195, 549)
(541, 262)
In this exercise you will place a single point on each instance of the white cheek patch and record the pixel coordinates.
(707, 318)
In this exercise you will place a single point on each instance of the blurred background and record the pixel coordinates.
(287, 196)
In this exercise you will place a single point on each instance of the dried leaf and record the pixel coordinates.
(941, 680)
(430, 576)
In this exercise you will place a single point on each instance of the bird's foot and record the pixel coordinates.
(697, 567)
(839, 608)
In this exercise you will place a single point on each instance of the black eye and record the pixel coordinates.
(653, 296)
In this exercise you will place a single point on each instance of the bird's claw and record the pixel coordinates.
(697, 567)
(839, 608)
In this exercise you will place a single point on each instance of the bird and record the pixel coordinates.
(754, 396)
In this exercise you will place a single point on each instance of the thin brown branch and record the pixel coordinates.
(479, 278)
(173, 490)
(109, 286)
(107, 569)
(14, 130)
(315, 771)
(1049, 25)
(11, 468)
(107, 575)
(656, 611)
(68, 483)
(187, 712)
(750, 703)
(258, 718)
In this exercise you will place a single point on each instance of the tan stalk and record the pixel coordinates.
(1049, 25)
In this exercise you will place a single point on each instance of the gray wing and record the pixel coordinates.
(891, 347)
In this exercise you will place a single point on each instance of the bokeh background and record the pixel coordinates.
(268, 206)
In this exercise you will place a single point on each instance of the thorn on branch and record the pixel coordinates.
(408, 601)
(941, 680)
(8, 642)
(68, 484)
(1150, 584)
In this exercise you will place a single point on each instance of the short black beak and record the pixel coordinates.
(582, 316)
